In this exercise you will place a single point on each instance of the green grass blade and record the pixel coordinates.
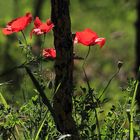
(3, 101)
(131, 135)
(41, 125)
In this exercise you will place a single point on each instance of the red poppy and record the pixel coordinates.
(17, 24)
(88, 38)
(41, 28)
(49, 53)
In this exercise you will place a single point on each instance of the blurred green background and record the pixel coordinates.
(112, 19)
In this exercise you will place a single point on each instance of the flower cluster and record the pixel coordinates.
(86, 37)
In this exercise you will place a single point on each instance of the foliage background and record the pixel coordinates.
(111, 19)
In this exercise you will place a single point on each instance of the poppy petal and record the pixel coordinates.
(6, 32)
(17, 24)
(37, 22)
(88, 38)
(42, 28)
(100, 41)
(49, 53)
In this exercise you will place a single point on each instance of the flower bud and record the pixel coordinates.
(120, 63)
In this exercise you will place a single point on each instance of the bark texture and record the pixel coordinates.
(138, 37)
(62, 101)
(138, 51)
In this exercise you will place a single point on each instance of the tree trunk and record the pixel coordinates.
(62, 101)
(138, 37)
(138, 50)
(38, 7)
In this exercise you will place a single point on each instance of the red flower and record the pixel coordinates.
(88, 38)
(41, 28)
(49, 53)
(17, 24)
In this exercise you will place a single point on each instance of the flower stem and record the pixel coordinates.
(91, 95)
(41, 51)
(83, 67)
(27, 47)
(24, 38)
(106, 87)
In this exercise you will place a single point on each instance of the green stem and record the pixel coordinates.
(89, 90)
(27, 49)
(17, 131)
(109, 83)
(131, 135)
(24, 38)
(40, 126)
(98, 125)
(83, 67)
(115, 135)
(41, 51)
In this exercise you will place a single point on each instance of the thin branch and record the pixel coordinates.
(42, 94)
